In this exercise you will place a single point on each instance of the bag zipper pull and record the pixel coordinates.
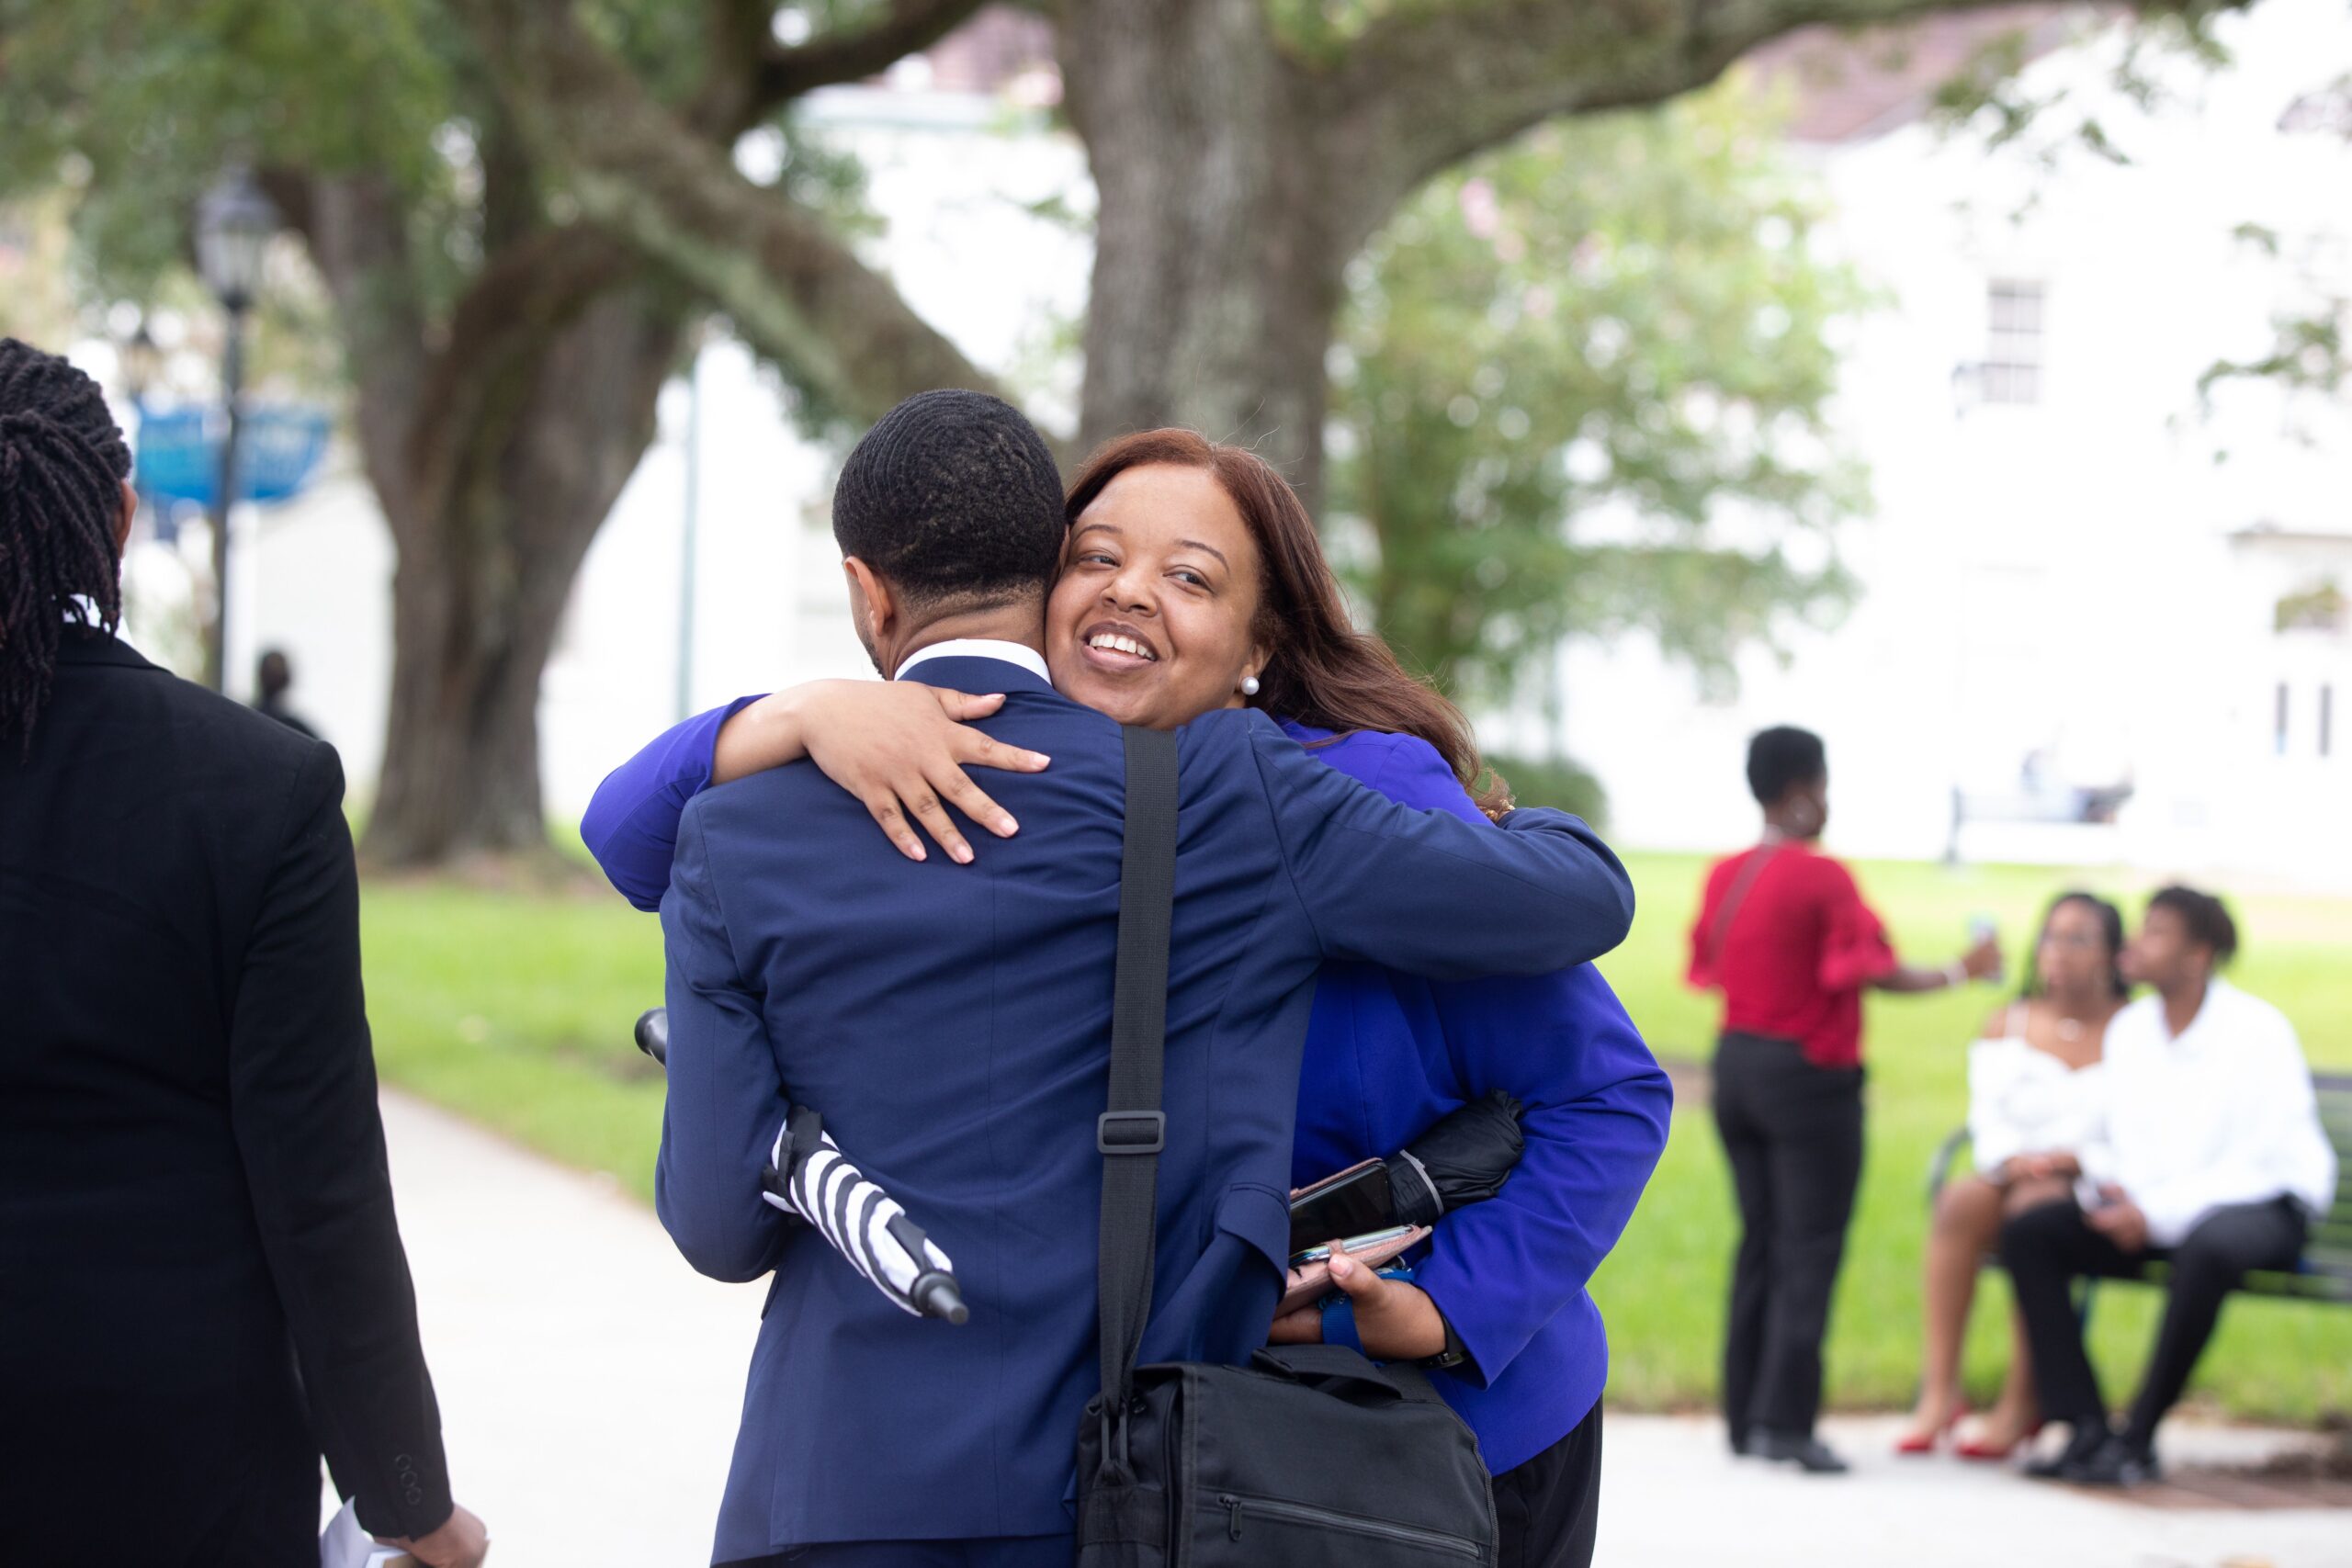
(1232, 1514)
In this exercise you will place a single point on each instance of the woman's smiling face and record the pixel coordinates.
(1152, 620)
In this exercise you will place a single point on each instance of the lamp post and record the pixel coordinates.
(143, 366)
(234, 223)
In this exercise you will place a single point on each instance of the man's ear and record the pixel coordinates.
(122, 523)
(873, 608)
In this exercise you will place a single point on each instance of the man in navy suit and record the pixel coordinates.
(952, 1024)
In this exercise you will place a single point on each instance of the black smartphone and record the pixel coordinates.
(1349, 1203)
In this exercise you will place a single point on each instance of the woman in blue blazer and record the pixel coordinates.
(1145, 628)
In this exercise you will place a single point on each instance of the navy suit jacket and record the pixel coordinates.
(952, 1024)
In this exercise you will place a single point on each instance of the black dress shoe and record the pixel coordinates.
(1741, 1446)
(1803, 1450)
(2082, 1445)
(2116, 1462)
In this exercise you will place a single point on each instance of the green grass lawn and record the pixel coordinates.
(514, 1008)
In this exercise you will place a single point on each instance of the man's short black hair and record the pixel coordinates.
(2205, 917)
(1784, 756)
(952, 497)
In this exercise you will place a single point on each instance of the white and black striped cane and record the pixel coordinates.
(808, 1176)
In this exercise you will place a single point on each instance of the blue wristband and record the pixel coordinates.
(1339, 1324)
(1340, 1311)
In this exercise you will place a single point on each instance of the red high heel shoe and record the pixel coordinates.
(1914, 1446)
(1969, 1448)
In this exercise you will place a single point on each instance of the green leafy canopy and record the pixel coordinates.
(1582, 389)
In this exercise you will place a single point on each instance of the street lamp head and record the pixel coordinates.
(142, 364)
(234, 223)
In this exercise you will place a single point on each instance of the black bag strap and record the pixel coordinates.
(1736, 895)
(1133, 1130)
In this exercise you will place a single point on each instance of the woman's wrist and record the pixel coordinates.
(766, 735)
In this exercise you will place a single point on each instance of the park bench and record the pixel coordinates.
(2324, 1272)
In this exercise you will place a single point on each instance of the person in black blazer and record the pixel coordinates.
(202, 1288)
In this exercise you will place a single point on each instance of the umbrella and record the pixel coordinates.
(809, 1177)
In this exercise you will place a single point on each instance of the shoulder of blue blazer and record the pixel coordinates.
(1361, 754)
(1404, 768)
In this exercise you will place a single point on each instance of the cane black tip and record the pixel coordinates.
(938, 1296)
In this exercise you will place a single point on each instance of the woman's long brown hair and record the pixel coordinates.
(1324, 672)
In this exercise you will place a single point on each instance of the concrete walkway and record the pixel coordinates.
(589, 1379)
(1674, 1497)
(589, 1384)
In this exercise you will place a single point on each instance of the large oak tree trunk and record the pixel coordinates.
(1218, 244)
(482, 584)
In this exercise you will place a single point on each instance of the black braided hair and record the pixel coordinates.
(63, 461)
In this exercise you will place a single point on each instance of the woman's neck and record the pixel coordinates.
(2081, 1007)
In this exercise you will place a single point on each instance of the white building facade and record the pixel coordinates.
(2073, 576)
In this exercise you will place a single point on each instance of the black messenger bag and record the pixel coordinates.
(1309, 1457)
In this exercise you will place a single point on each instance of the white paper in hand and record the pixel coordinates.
(343, 1544)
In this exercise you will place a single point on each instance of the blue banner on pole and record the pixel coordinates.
(277, 451)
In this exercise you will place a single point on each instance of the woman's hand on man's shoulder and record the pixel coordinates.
(902, 749)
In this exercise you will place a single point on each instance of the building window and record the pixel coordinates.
(2013, 345)
(2326, 718)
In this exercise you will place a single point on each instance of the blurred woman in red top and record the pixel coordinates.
(1784, 933)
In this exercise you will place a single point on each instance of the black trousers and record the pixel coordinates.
(2048, 1247)
(1793, 1134)
(1550, 1508)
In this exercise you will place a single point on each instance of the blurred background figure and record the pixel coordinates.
(2214, 1161)
(1783, 932)
(204, 1284)
(273, 678)
(2034, 1107)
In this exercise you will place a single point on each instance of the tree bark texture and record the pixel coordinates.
(484, 579)
(1220, 238)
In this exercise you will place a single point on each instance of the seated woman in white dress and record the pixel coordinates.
(2033, 1111)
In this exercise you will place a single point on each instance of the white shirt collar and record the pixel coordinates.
(1027, 658)
(2212, 1009)
(80, 611)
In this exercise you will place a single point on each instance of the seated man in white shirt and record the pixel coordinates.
(2212, 1158)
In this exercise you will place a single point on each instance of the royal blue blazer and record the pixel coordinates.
(1388, 1054)
(952, 1025)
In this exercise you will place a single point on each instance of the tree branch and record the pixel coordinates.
(524, 299)
(787, 71)
(791, 285)
(1429, 86)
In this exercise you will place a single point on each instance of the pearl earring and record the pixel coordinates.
(1249, 685)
